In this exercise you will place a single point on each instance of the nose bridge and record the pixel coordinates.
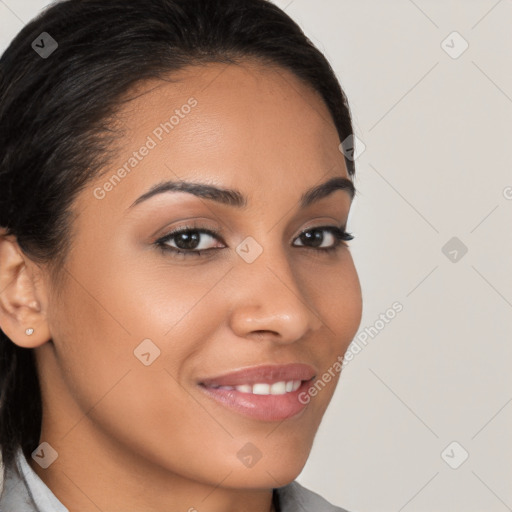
(269, 297)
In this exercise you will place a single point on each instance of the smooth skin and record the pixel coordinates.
(132, 437)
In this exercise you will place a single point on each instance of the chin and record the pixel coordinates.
(265, 477)
(279, 469)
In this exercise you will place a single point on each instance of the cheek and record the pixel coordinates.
(337, 299)
(93, 347)
(335, 293)
(143, 407)
(113, 317)
(155, 295)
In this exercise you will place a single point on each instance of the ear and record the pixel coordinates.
(22, 296)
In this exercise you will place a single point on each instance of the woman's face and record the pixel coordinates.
(141, 333)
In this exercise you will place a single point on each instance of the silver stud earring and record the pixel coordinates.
(29, 331)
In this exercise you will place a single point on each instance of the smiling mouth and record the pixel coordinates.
(267, 393)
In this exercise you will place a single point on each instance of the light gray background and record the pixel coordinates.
(436, 165)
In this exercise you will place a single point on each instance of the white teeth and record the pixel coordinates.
(278, 388)
(261, 389)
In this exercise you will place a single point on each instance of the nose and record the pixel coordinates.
(269, 301)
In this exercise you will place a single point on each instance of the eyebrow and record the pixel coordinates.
(235, 198)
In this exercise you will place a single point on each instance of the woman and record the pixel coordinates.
(176, 288)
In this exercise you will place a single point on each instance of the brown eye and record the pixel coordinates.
(189, 240)
(315, 238)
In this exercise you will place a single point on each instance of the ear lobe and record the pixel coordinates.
(20, 306)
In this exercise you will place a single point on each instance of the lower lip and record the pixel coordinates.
(260, 407)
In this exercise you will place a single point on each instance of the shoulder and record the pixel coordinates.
(294, 497)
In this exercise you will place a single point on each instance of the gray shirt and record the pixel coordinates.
(24, 491)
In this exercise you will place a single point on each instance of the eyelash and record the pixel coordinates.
(340, 235)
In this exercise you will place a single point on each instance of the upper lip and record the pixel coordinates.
(268, 374)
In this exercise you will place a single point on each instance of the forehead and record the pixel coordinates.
(236, 104)
(248, 126)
